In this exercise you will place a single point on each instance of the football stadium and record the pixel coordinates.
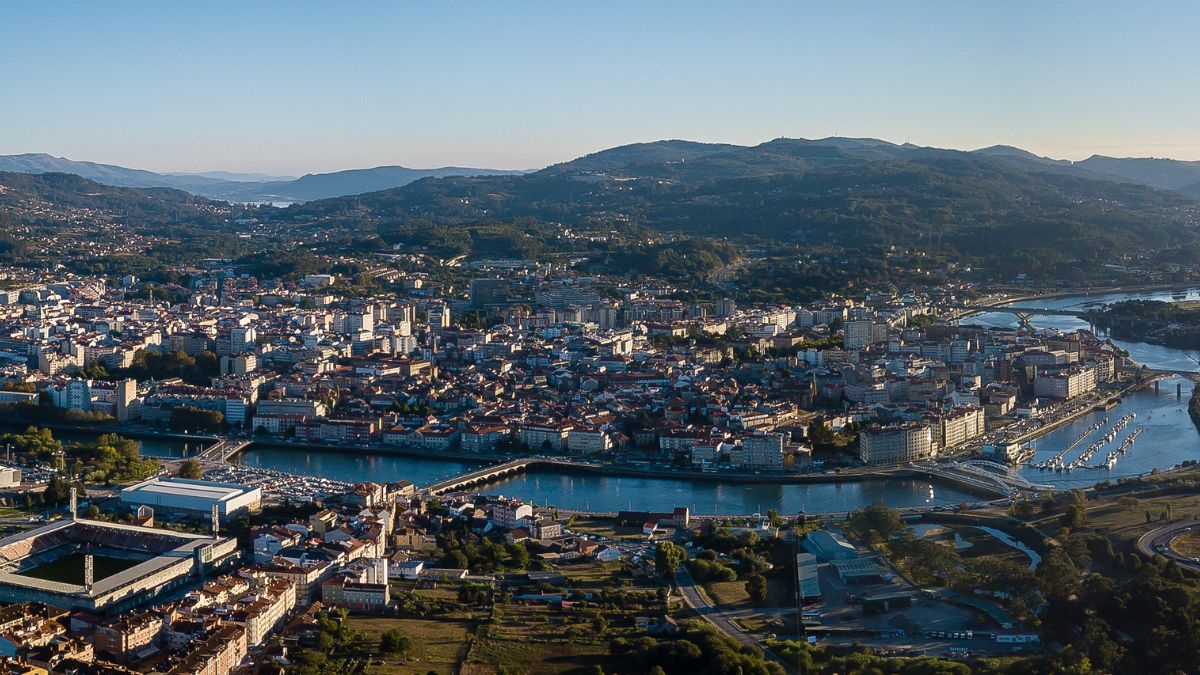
(129, 565)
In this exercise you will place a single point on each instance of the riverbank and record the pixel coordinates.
(617, 469)
(1083, 410)
(1084, 292)
(137, 433)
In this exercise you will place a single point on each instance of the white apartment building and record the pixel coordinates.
(763, 451)
(895, 443)
(1065, 383)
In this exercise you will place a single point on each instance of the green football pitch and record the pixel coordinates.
(69, 568)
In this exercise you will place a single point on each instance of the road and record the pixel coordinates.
(1158, 542)
(716, 616)
(723, 274)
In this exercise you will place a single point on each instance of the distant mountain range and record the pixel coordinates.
(1164, 174)
(1177, 176)
(240, 187)
(997, 203)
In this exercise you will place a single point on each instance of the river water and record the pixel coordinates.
(1169, 438)
(1154, 356)
(569, 490)
(151, 447)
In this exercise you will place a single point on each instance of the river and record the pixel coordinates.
(1169, 438)
(149, 446)
(589, 492)
(1153, 356)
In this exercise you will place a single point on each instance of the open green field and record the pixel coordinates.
(1187, 544)
(1124, 520)
(535, 658)
(69, 568)
(606, 527)
(438, 645)
(536, 639)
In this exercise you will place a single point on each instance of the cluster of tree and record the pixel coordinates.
(482, 555)
(875, 523)
(155, 365)
(969, 205)
(188, 418)
(334, 633)
(698, 649)
(35, 444)
(44, 411)
(283, 264)
(111, 459)
(708, 567)
(687, 260)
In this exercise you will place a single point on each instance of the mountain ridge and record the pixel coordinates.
(1179, 176)
(208, 184)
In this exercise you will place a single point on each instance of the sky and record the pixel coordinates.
(299, 87)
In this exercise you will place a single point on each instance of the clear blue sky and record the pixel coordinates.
(292, 87)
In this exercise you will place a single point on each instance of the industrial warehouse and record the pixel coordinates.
(193, 497)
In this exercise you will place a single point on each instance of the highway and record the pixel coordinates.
(1158, 542)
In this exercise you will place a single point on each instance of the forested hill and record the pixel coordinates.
(50, 196)
(845, 191)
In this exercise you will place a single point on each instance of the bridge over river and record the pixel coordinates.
(495, 472)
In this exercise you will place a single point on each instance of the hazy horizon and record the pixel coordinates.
(283, 88)
(302, 171)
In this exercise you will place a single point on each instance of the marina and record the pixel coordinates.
(1165, 433)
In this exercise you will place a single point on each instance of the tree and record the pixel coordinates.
(1058, 574)
(774, 518)
(756, 586)
(394, 641)
(455, 560)
(57, 490)
(518, 556)
(599, 624)
(191, 469)
(875, 523)
(187, 418)
(667, 557)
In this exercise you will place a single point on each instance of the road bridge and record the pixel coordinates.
(983, 475)
(222, 450)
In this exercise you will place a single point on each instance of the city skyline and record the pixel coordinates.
(297, 89)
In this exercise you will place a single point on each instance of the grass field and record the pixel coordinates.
(438, 645)
(780, 593)
(1125, 522)
(535, 658)
(69, 568)
(589, 573)
(1187, 544)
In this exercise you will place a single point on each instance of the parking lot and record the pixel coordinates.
(905, 629)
